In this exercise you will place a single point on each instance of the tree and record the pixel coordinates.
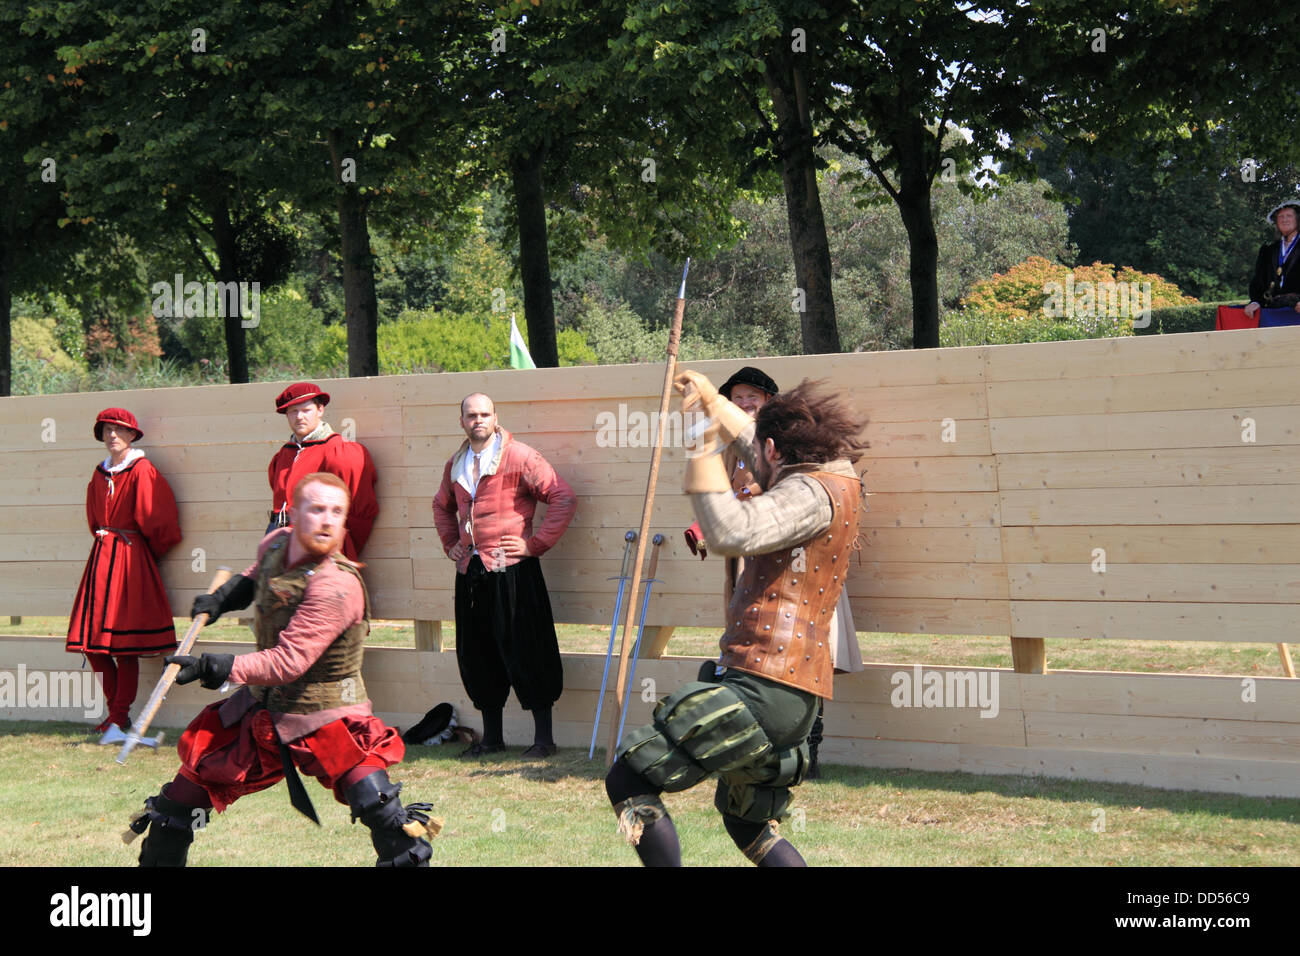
(1192, 212)
(42, 244)
(746, 66)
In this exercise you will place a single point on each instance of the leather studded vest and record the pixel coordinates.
(334, 680)
(778, 624)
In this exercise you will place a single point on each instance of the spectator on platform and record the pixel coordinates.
(1275, 283)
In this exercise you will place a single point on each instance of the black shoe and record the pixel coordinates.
(537, 751)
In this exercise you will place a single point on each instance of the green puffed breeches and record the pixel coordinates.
(750, 731)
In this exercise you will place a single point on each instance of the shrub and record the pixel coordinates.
(1039, 287)
(1200, 317)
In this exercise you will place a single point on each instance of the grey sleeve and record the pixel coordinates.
(791, 513)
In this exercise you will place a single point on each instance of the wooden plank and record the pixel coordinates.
(929, 474)
(1213, 428)
(1161, 695)
(877, 683)
(1238, 739)
(1256, 778)
(877, 579)
(1256, 544)
(1143, 355)
(1110, 393)
(1226, 583)
(930, 616)
(957, 545)
(1228, 505)
(931, 509)
(926, 439)
(1132, 621)
(1244, 465)
(938, 724)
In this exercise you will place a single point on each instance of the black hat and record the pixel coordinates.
(1291, 203)
(438, 726)
(752, 377)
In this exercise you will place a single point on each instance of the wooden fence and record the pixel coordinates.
(1139, 488)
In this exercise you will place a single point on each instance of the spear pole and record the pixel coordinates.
(625, 649)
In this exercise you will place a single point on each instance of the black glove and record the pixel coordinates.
(235, 595)
(210, 670)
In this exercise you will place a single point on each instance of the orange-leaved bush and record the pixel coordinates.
(1038, 287)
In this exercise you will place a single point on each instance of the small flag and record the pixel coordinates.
(519, 357)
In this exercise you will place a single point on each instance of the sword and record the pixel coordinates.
(136, 735)
(623, 576)
(640, 629)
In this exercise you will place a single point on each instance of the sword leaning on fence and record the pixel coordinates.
(657, 540)
(623, 576)
(136, 734)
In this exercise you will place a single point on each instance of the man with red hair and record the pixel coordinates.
(303, 702)
(313, 446)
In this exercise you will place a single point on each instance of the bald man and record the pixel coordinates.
(505, 634)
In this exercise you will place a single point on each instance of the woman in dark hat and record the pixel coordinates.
(1275, 283)
(121, 612)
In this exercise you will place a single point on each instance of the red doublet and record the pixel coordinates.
(230, 749)
(347, 459)
(121, 606)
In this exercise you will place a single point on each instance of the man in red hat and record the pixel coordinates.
(121, 612)
(303, 704)
(313, 446)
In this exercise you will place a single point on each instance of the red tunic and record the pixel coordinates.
(121, 606)
(347, 459)
(230, 749)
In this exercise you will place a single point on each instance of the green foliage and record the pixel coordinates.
(618, 336)
(433, 341)
(1184, 213)
(290, 334)
(1200, 317)
(40, 365)
(973, 327)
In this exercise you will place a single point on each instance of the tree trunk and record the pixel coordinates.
(6, 305)
(224, 235)
(534, 257)
(360, 303)
(808, 242)
(923, 270)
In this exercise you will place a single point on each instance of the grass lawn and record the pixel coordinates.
(66, 801)
(1170, 657)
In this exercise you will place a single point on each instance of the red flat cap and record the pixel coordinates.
(300, 392)
(116, 416)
